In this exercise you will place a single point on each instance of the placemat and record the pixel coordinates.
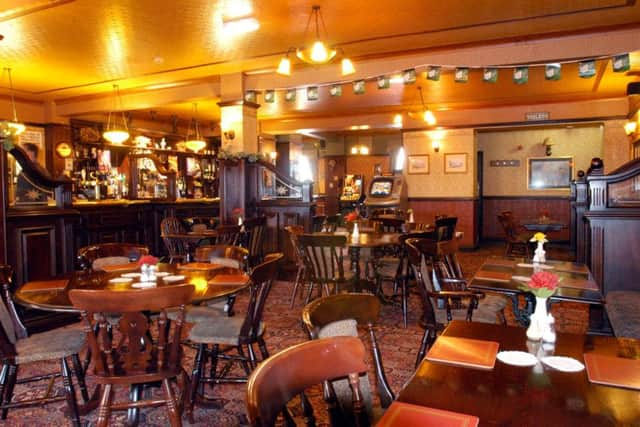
(613, 371)
(494, 276)
(466, 352)
(45, 285)
(406, 414)
(229, 279)
(200, 266)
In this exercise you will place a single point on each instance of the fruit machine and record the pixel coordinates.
(352, 193)
(386, 191)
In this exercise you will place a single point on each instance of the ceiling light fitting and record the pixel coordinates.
(196, 143)
(15, 125)
(241, 25)
(115, 133)
(319, 52)
(360, 149)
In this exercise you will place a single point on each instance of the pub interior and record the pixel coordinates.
(242, 212)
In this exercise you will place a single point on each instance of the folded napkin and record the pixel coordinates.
(613, 371)
(406, 414)
(465, 352)
(45, 285)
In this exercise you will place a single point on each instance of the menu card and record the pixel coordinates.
(200, 266)
(464, 352)
(405, 414)
(613, 371)
(230, 279)
(45, 285)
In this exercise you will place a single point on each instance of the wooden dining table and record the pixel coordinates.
(538, 395)
(368, 240)
(507, 275)
(53, 295)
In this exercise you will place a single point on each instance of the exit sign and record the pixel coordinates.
(536, 116)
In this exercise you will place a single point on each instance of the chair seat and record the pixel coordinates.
(220, 330)
(54, 344)
(198, 313)
(622, 309)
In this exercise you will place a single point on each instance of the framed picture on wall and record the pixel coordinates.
(455, 163)
(418, 164)
(549, 173)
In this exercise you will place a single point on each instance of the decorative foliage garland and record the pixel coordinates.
(235, 156)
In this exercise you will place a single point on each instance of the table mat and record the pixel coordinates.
(406, 414)
(229, 279)
(501, 262)
(130, 266)
(45, 285)
(494, 276)
(464, 352)
(570, 282)
(613, 371)
(200, 266)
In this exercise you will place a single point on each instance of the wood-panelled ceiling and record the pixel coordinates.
(74, 50)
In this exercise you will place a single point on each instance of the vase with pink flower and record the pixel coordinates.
(148, 268)
(542, 285)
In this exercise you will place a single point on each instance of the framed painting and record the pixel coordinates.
(455, 163)
(418, 164)
(549, 173)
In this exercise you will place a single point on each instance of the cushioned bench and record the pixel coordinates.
(623, 309)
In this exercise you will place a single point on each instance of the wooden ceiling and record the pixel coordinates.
(73, 51)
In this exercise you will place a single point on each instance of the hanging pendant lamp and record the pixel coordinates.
(196, 143)
(116, 133)
(16, 127)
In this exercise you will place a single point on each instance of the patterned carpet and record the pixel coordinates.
(398, 347)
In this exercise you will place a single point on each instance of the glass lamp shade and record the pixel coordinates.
(16, 127)
(630, 127)
(284, 67)
(429, 118)
(347, 67)
(317, 54)
(195, 145)
(116, 136)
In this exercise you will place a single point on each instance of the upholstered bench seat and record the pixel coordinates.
(623, 309)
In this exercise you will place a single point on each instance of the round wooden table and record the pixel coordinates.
(368, 240)
(51, 299)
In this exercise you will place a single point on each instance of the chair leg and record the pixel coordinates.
(70, 392)
(3, 381)
(196, 374)
(252, 356)
(263, 348)
(214, 362)
(104, 410)
(8, 393)
(172, 406)
(244, 360)
(79, 372)
(295, 287)
(405, 302)
(427, 340)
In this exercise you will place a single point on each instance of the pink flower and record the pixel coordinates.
(148, 259)
(542, 284)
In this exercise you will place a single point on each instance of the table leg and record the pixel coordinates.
(522, 316)
(354, 253)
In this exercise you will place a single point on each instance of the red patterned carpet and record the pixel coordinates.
(398, 346)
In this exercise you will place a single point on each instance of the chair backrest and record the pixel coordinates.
(176, 247)
(509, 225)
(388, 225)
(134, 354)
(445, 228)
(323, 255)
(288, 373)
(262, 277)
(228, 234)
(388, 212)
(254, 233)
(294, 231)
(317, 222)
(227, 255)
(209, 222)
(103, 254)
(421, 253)
(332, 222)
(11, 328)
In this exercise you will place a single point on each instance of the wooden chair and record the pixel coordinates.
(445, 228)
(444, 296)
(177, 247)
(517, 239)
(134, 358)
(253, 238)
(17, 348)
(94, 257)
(288, 373)
(228, 235)
(227, 255)
(323, 256)
(339, 315)
(317, 222)
(228, 333)
(301, 273)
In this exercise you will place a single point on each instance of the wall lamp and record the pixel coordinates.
(435, 144)
(229, 135)
(547, 143)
